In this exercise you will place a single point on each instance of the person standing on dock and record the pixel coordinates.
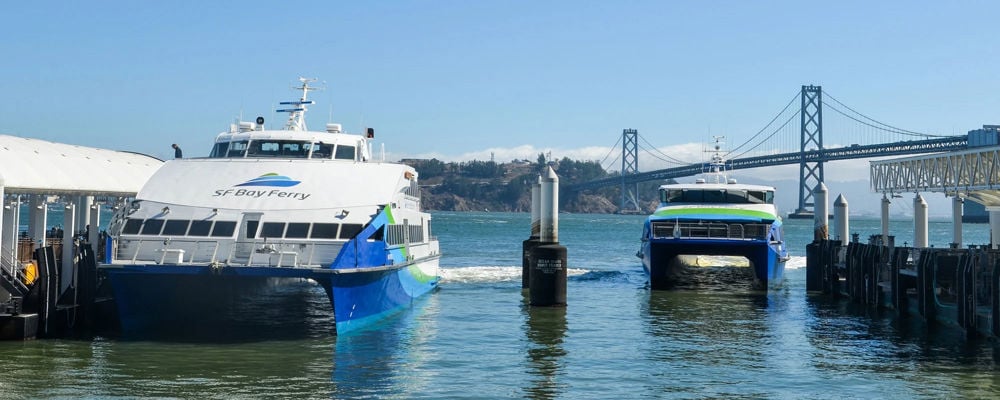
(177, 151)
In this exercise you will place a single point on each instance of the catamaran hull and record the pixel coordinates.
(659, 259)
(362, 298)
(201, 301)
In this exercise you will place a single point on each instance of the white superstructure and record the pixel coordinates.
(286, 198)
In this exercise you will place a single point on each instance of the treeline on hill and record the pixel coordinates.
(492, 186)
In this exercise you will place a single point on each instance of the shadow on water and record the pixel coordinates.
(912, 337)
(546, 331)
(854, 338)
(272, 310)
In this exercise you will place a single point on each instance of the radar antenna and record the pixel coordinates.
(717, 164)
(297, 111)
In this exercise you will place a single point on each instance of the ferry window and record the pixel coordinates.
(279, 148)
(692, 196)
(348, 231)
(132, 226)
(252, 229)
(175, 227)
(715, 196)
(297, 230)
(152, 227)
(736, 196)
(755, 197)
(769, 197)
(200, 228)
(379, 234)
(237, 149)
(219, 150)
(294, 150)
(324, 231)
(671, 196)
(224, 228)
(263, 149)
(321, 150)
(344, 152)
(273, 230)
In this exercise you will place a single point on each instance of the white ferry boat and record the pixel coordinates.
(717, 218)
(265, 206)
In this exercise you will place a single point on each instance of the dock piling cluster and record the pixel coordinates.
(950, 286)
(547, 259)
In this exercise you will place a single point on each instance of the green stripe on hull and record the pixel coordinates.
(680, 212)
(419, 274)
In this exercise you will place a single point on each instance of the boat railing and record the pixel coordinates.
(270, 252)
(710, 230)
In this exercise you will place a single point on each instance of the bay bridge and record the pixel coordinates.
(780, 143)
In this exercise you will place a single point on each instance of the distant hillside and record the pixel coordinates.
(487, 185)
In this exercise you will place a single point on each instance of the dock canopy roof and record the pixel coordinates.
(34, 166)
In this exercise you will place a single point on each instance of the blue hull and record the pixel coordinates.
(659, 258)
(359, 299)
(199, 301)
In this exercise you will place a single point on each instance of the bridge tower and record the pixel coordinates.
(630, 166)
(810, 173)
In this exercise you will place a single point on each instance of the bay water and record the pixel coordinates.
(476, 337)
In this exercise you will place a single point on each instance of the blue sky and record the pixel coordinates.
(461, 79)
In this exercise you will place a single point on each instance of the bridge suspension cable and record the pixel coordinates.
(776, 130)
(613, 148)
(796, 96)
(873, 122)
(654, 155)
(664, 157)
(613, 162)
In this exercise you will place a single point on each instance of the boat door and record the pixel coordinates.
(246, 239)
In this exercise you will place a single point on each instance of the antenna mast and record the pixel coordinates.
(296, 114)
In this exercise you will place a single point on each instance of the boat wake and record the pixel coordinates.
(486, 274)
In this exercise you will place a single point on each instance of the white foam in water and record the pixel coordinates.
(715, 261)
(480, 274)
(796, 262)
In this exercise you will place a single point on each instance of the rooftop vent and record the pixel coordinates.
(731, 181)
(333, 128)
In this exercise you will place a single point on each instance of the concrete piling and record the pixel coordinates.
(994, 227)
(822, 212)
(885, 215)
(919, 221)
(532, 241)
(547, 280)
(841, 227)
(956, 216)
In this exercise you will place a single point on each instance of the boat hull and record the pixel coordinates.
(200, 302)
(659, 259)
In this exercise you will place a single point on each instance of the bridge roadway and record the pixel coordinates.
(950, 143)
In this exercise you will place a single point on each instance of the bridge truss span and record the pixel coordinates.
(975, 173)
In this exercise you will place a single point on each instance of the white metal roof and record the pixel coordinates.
(34, 166)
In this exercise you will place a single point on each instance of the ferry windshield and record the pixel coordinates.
(280, 149)
(730, 196)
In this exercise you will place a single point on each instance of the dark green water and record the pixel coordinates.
(476, 338)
